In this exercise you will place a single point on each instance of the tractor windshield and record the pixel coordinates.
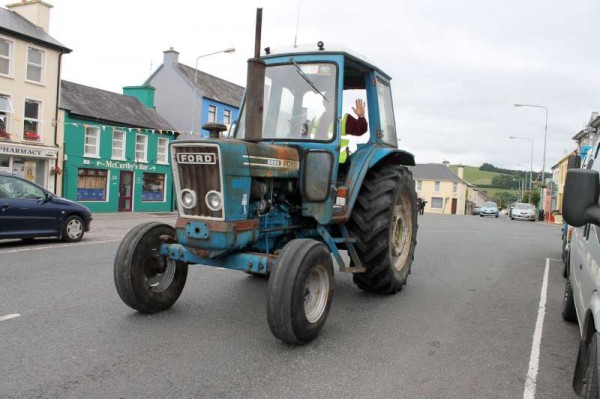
(299, 102)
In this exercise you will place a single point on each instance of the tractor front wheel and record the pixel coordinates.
(145, 280)
(300, 291)
(384, 223)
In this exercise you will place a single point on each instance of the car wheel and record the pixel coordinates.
(73, 229)
(589, 389)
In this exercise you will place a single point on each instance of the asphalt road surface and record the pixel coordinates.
(475, 320)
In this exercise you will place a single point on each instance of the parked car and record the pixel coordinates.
(28, 210)
(476, 210)
(523, 211)
(489, 209)
(581, 298)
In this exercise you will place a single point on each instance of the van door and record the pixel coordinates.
(585, 254)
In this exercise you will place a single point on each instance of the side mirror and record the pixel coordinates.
(580, 201)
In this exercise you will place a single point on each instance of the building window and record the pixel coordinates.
(154, 187)
(118, 144)
(212, 113)
(419, 185)
(91, 147)
(91, 184)
(31, 122)
(227, 117)
(455, 187)
(436, 186)
(437, 202)
(35, 64)
(161, 152)
(5, 110)
(5, 56)
(141, 143)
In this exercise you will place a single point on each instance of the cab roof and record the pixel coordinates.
(329, 49)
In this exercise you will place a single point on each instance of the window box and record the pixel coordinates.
(32, 136)
(4, 135)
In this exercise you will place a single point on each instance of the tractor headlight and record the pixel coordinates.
(188, 198)
(214, 201)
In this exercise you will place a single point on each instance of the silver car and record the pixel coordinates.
(489, 209)
(523, 211)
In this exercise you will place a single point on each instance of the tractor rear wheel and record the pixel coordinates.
(384, 223)
(145, 280)
(300, 291)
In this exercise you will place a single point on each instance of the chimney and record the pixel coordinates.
(171, 57)
(35, 11)
(143, 93)
(461, 172)
(446, 163)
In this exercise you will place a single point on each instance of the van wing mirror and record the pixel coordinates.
(580, 201)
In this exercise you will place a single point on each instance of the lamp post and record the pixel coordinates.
(545, 134)
(227, 50)
(531, 162)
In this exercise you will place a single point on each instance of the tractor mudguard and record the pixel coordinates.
(362, 161)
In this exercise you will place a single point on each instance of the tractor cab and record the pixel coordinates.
(309, 91)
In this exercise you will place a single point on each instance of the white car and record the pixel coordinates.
(523, 211)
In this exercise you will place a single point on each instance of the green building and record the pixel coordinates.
(115, 152)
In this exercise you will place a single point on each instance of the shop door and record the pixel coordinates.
(454, 203)
(125, 191)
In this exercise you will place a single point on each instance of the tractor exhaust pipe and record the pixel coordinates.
(255, 88)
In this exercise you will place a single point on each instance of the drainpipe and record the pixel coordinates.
(56, 123)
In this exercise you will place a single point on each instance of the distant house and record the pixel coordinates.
(116, 154)
(187, 98)
(30, 62)
(444, 191)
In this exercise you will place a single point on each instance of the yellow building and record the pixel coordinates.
(444, 191)
(559, 176)
(30, 62)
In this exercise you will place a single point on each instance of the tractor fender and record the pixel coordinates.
(362, 162)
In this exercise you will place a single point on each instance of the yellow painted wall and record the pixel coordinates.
(18, 89)
(445, 192)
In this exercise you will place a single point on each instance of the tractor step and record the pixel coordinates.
(353, 269)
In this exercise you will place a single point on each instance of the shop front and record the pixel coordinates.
(115, 186)
(35, 163)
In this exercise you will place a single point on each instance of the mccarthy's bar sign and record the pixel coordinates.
(204, 158)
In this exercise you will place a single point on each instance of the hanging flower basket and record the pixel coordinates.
(55, 170)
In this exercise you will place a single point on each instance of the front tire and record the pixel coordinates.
(589, 389)
(300, 291)
(73, 229)
(384, 223)
(145, 280)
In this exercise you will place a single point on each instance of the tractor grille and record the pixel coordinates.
(197, 168)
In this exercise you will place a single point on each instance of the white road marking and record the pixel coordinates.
(9, 316)
(534, 358)
(54, 246)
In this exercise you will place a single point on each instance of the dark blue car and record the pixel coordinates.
(28, 210)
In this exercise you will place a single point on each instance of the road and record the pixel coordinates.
(463, 326)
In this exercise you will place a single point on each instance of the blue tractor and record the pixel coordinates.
(276, 198)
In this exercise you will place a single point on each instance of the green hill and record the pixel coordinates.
(475, 176)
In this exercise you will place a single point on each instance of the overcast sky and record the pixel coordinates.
(457, 66)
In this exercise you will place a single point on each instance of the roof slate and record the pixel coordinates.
(11, 22)
(214, 88)
(98, 104)
(434, 171)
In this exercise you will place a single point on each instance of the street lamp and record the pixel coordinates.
(227, 50)
(545, 134)
(531, 163)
